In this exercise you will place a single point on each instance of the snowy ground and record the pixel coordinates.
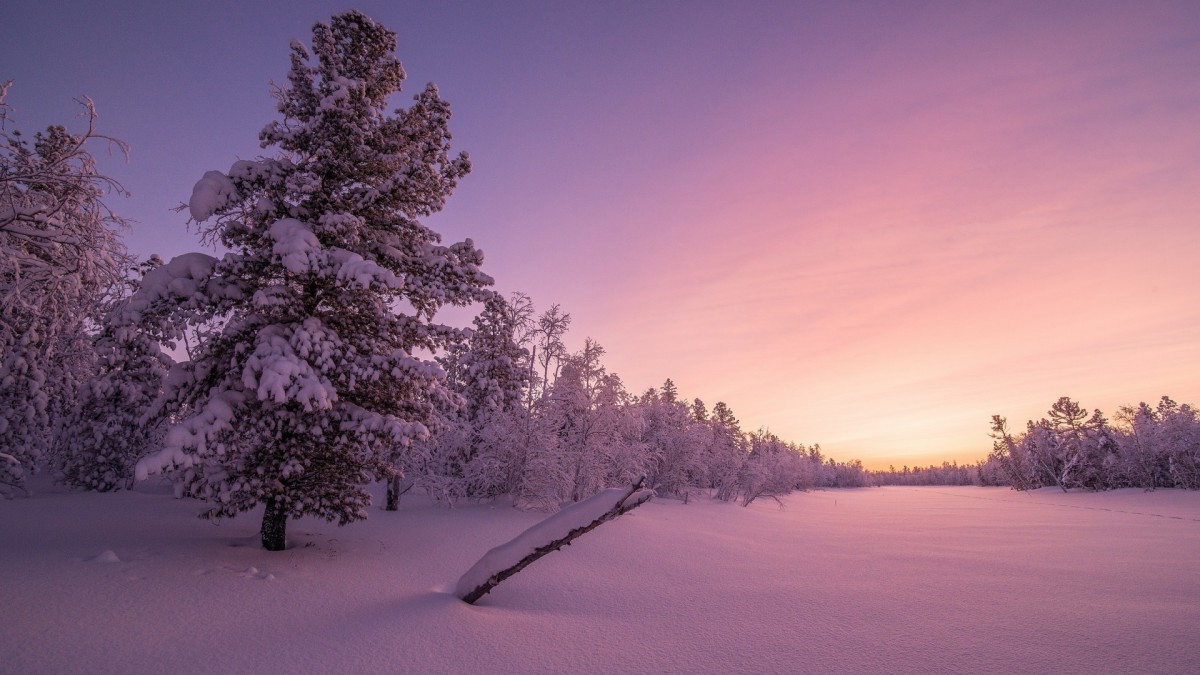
(874, 580)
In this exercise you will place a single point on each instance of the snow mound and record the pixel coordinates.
(105, 556)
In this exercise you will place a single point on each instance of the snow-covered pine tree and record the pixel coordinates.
(772, 468)
(726, 452)
(494, 380)
(675, 463)
(473, 454)
(584, 407)
(493, 375)
(116, 420)
(61, 262)
(317, 368)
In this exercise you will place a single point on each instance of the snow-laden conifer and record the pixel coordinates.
(674, 440)
(493, 372)
(117, 418)
(318, 326)
(479, 449)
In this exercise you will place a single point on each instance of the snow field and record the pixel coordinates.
(872, 580)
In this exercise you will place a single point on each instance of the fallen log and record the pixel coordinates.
(549, 535)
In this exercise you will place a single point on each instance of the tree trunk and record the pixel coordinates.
(393, 494)
(396, 487)
(274, 525)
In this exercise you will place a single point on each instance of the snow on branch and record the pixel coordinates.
(549, 535)
(12, 473)
(211, 194)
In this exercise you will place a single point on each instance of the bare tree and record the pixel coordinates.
(549, 349)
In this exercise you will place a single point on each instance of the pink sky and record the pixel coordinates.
(866, 225)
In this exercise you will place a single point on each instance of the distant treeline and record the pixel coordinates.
(1072, 448)
(1148, 447)
(949, 473)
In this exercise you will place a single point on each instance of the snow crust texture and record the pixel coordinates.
(887, 580)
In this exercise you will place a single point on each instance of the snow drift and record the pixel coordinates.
(899, 580)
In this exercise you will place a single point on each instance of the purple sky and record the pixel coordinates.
(869, 225)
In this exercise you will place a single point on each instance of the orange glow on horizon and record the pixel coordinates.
(866, 226)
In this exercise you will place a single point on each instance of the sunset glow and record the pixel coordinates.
(869, 226)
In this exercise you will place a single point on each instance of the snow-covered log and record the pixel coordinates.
(549, 535)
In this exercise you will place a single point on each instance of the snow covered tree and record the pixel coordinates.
(1160, 446)
(116, 420)
(494, 380)
(1067, 420)
(1012, 456)
(520, 315)
(549, 349)
(1101, 462)
(473, 453)
(1179, 431)
(584, 407)
(1143, 460)
(673, 446)
(1070, 449)
(579, 436)
(493, 374)
(317, 367)
(62, 261)
(772, 468)
(544, 476)
(725, 452)
(1148, 449)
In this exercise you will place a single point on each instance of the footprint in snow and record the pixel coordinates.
(252, 572)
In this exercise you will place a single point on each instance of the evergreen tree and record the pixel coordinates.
(116, 420)
(726, 452)
(493, 375)
(473, 452)
(311, 377)
(674, 462)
